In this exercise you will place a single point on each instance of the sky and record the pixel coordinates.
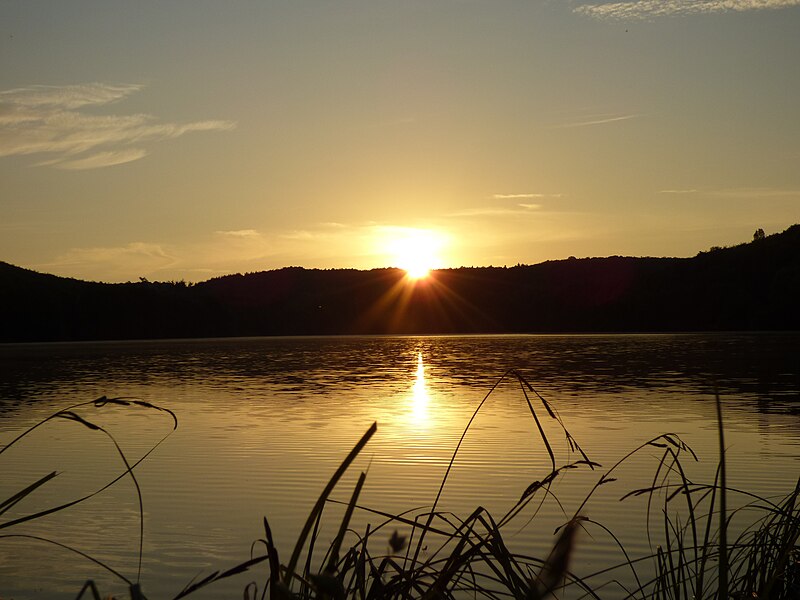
(188, 139)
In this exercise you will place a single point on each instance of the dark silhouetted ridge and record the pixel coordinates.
(753, 286)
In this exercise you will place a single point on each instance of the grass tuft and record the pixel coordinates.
(430, 554)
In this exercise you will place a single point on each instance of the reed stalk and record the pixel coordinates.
(446, 557)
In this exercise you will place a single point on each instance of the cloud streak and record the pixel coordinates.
(120, 262)
(496, 211)
(764, 193)
(47, 120)
(529, 196)
(239, 233)
(646, 9)
(736, 193)
(358, 245)
(596, 121)
(98, 160)
(524, 203)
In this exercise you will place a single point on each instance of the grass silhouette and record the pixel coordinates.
(442, 556)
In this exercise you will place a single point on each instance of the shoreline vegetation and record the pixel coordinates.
(706, 540)
(750, 287)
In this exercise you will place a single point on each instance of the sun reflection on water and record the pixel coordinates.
(420, 397)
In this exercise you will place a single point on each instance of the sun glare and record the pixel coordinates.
(416, 251)
(417, 270)
(419, 397)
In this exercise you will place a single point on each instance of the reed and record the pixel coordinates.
(467, 557)
(693, 553)
(69, 414)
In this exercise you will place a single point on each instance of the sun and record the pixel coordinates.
(417, 270)
(416, 251)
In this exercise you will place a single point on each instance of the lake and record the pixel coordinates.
(264, 422)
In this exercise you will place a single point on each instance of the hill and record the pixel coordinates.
(754, 286)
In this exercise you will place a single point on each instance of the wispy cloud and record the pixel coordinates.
(128, 261)
(218, 253)
(53, 120)
(68, 97)
(645, 9)
(738, 193)
(599, 120)
(362, 245)
(496, 211)
(756, 193)
(524, 196)
(303, 234)
(98, 160)
(504, 208)
(240, 233)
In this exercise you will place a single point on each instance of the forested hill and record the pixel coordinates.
(752, 286)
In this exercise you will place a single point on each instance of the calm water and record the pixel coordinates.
(264, 422)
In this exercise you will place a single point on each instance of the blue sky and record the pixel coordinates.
(183, 140)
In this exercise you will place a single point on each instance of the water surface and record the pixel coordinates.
(264, 422)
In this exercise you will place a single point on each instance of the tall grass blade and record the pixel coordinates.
(91, 587)
(274, 563)
(99, 563)
(723, 507)
(216, 576)
(556, 566)
(337, 543)
(309, 556)
(9, 502)
(321, 501)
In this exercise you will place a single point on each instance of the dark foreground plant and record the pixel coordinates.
(469, 558)
(69, 414)
(443, 556)
(697, 557)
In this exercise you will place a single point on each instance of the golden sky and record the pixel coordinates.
(189, 139)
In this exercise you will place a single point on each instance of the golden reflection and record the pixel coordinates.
(420, 397)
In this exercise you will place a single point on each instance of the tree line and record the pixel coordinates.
(753, 286)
